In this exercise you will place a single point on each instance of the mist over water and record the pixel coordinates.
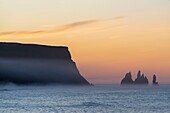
(80, 99)
(39, 71)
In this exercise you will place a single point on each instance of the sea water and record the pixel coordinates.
(85, 99)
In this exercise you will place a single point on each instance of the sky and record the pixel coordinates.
(106, 38)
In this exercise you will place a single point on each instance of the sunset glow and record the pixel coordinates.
(107, 38)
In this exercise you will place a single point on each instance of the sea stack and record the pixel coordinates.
(127, 79)
(24, 64)
(141, 79)
(154, 80)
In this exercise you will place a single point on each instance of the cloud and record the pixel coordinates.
(60, 29)
(118, 18)
(54, 30)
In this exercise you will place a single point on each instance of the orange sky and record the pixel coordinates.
(106, 38)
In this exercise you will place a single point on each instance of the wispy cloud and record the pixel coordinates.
(49, 31)
(118, 17)
(63, 28)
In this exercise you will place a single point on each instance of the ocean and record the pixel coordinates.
(85, 99)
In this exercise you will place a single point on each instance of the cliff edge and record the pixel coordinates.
(38, 64)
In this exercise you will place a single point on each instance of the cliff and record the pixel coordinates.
(141, 79)
(37, 64)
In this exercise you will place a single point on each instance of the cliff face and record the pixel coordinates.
(32, 51)
(37, 64)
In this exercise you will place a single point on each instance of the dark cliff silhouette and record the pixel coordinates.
(154, 80)
(24, 64)
(141, 79)
(127, 79)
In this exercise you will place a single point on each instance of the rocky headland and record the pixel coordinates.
(24, 64)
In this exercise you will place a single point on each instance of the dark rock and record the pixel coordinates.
(127, 79)
(146, 80)
(154, 80)
(141, 79)
(37, 64)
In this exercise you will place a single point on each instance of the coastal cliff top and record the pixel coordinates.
(18, 50)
